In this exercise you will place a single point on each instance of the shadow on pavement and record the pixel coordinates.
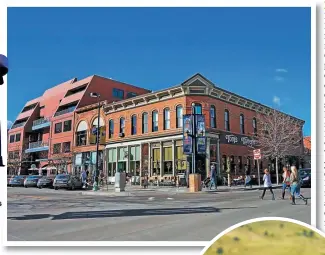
(123, 213)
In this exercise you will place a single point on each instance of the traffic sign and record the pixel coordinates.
(257, 154)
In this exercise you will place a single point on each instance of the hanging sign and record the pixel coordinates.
(200, 125)
(187, 134)
(201, 145)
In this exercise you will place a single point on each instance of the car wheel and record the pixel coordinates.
(39, 187)
(25, 186)
(56, 188)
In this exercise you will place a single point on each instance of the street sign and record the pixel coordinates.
(257, 154)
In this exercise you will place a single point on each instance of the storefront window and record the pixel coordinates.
(156, 161)
(111, 166)
(168, 160)
(122, 159)
(180, 160)
(224, 163)
(135, 160)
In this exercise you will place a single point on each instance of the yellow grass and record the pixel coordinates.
(269, 238)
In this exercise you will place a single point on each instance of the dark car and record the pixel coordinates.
(17, 181)
(45, 182)
(67, 181)
(305, 175)
(31, 181)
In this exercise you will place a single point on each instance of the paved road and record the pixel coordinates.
(49, 215)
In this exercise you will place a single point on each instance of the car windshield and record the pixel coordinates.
(32, 177)
(62, 176)
(304, 172)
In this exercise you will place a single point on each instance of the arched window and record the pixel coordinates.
(166, 118)
(133, 125)
(227, 122)
(144, 123)
(122, 125)
(101, 122)
(255, 126)
(179, 116)
(154, 121)
(110, 128)
(242, 124)
(213, 123)
(197, 109)
(81, 134)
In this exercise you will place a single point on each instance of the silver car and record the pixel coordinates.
(67, 181)
(31, 181)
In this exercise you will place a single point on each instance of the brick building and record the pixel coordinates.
(44, 130)
(144, 134)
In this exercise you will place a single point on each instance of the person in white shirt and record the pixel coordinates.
(267, 183)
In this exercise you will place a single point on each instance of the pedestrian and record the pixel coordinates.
(286, 181)
(267, 183)
(248, 180)
(295, 186)
(213, 176)
(84, 179)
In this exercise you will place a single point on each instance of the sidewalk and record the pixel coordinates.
(136, 190)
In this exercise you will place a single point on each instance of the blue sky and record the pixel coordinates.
(259, 53)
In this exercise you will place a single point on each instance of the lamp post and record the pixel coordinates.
(193, 138)
(97, 95)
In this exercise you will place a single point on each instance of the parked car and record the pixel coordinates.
(305, 175)
(67, 181)
(9, 177)
(45, 182)
(17, 181)
(31, 181)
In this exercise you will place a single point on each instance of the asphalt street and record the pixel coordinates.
(49, 215)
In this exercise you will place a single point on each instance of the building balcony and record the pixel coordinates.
(40, 123)
(37, 146)
(18, 125)
(65, 111)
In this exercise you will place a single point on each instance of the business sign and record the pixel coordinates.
(187, 134)
(200, 125)
(234, 139)
(201, 145)
(257, 154)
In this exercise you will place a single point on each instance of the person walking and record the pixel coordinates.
(295, 186)
(248, 180)
(267, 184)
(286, 181)
(213, 178)
(84, 179)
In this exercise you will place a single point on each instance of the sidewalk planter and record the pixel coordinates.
(195, 182)
(120, 180)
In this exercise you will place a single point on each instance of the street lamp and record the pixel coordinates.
(193, 138)
(97, 95)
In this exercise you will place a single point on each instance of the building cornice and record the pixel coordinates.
(197, 85)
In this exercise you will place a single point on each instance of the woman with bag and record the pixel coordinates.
(295, 186)
(286, 181)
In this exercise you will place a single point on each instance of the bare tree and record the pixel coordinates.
(16, 160)
(61, 159)
(279, 135)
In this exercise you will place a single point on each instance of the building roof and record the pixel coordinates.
(307, 142)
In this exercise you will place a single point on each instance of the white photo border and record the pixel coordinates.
(142, 3)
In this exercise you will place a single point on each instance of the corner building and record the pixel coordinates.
(44, 130)
(144, 134)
